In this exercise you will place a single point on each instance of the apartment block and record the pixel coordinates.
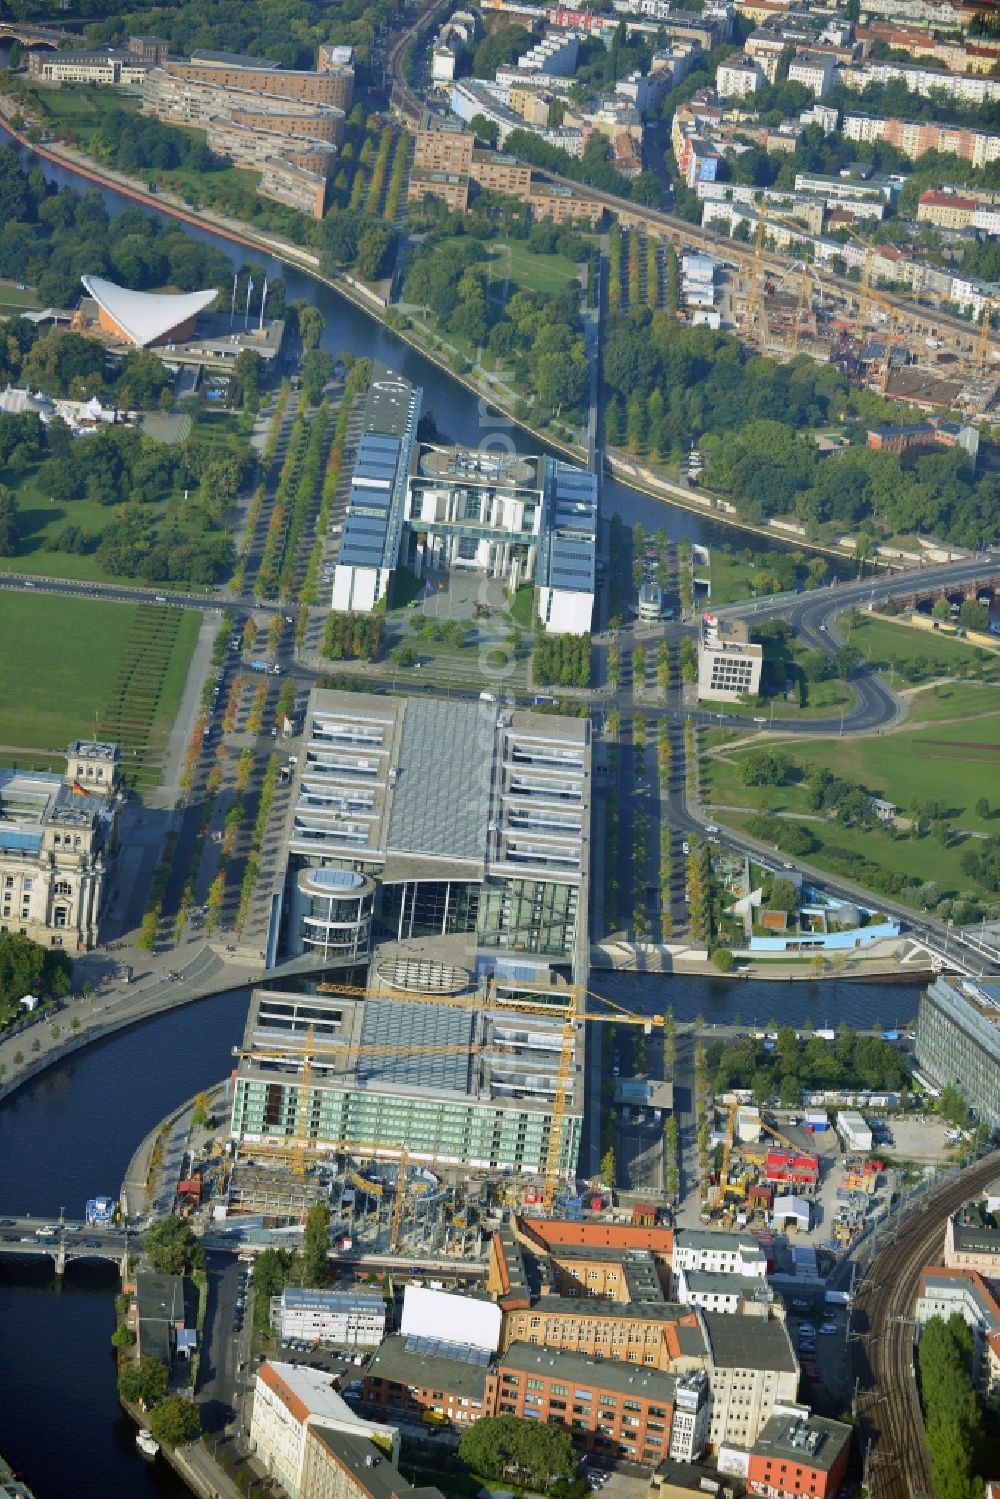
(334, 86)
(739, 76)
(915, 137)
(563, 205)
(946, 1291)
(451, 188)
(752, 1369)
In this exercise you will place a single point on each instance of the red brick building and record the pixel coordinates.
(797, 1456)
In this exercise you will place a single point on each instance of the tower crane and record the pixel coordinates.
(562, 1003)
(982, 346)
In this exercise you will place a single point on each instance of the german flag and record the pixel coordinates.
(78, 790)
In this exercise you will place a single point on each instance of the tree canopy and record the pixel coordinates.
(172, 1248)
(28, 968)
(142, 1381)
(533, 1455)
(175, 1420)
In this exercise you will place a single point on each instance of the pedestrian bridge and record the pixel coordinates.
(62, 1240)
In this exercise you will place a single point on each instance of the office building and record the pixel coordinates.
(438, 847)
(946, 210)
(287, 1400)
(796, 1455)
(729, 663)
(337, 1465)
(958, 1041)
(342, 1319)
(59, 845)
(971, 1243)
(715, 1292)
(112, 67)
(612, 1410)
(435, 1380)
(524, 520)
(752, 1369)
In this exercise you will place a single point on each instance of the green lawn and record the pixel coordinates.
(119, 668)
(528, 271)
(893, 645)
(522, 607)
(13, 301)
(951, 763)
(731, 577)
(952, 700)
(40, 517)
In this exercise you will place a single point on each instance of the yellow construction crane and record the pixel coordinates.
(399, 1197)
(756, 309)
(776, 1134)
(563, 1003)
(727, 1150)
(986, 328)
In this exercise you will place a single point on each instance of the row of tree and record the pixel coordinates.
(562, 660)
(753, 419)
(792, 1064)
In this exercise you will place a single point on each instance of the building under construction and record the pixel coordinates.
(428, 942)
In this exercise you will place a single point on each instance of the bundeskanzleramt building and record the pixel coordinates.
(958, 1041)
(520, 519)
(59, 845)
(729, 663)
(434, 848)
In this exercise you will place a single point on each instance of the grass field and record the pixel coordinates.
(40, 517)
(118, 667)
(529, 272)
(952, 700)
(954, 764)
(890, 645)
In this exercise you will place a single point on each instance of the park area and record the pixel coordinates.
(944, 762)
(75, 667)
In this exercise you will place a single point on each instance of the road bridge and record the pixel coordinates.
(63, 1240)
(34, 36)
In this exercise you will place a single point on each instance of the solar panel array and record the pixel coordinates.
(370, 501)
(570, 532)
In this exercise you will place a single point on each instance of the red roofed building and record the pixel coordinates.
(287, 1400)
(945, 210)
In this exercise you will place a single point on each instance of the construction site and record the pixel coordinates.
(882, 342)
(794, 1179)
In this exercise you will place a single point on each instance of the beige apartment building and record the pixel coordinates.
(59, 841)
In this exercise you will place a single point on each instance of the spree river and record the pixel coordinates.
(70, 1134)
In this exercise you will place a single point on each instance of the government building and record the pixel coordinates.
(58, 846)
(523, 520)
(426, 929)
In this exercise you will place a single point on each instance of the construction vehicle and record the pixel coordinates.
(550, 1002)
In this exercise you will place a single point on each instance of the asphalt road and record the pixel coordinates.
(223, 1348)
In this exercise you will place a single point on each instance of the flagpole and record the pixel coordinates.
(246, 319)
(232, 309)
(263, 299)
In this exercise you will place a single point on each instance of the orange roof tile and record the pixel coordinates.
(600, 1235)
(284, 1392)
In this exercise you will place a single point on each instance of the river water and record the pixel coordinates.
(71, 1134)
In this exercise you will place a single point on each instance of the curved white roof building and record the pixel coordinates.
(146, 318)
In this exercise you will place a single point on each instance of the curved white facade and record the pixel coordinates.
(144, 316)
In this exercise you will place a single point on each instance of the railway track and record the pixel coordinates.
(891, 1428)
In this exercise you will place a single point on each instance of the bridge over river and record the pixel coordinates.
(62, 1240)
